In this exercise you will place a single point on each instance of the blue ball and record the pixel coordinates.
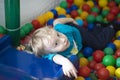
(68, 10)
(90, 26)
(50, 22)
(87, 51)
(54, 12)
(61, 16)
(88, 78)
(80, 22)
(111, 45)
(73, 7)
(118, 38)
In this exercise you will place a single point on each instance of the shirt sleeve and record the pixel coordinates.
(49, 56)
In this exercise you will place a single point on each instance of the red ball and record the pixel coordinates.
(36, 24)
(98, 55)
(86, 7)
(94, 14)
(69, 1)
(114, 10)
(111, 4)
(103, 74)
(98, 66)
(84, 71)
(74, 13)
(118, 19)
(85, 24)
(110, 17)
(69, 5)
(117, 52)
(91, 64)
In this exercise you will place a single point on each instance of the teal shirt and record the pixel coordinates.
(72, 34)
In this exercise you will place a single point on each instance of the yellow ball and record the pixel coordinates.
(83, 61)
(49, 15)
(111, 70)
(57, 8)
(117, 72)
(61, 11)
(103, 3)
(117, 43)
(41, 20)
(78, 18)
(84, 15)
(78, 2)
(68, 16)
(90, 3)
(106, 8)
(118, 34)
(80, 78)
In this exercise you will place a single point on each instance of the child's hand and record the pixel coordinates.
(69, 69)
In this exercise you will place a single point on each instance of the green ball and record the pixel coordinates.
(117, 1)
(109, 60)
(99, 18)
(95, 9)
(80, 55)
(64, 4)
(108, 51)
(105, 13)
(30, 26)
(118, 15)
(26, 28)
(90, 58)
(79, 11)
(90, 19)
(22, 33)
(2, 30)
(118, 62)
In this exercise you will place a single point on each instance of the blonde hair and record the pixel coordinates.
(36, 41)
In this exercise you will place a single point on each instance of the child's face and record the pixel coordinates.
(56, 42)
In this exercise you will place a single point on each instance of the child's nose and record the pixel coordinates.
(63, 40)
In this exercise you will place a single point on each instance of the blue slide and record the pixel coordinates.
(19, 65)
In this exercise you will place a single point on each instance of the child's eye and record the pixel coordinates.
(56, 43)
(58, 34)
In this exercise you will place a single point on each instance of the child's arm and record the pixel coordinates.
(64, 20)
(68, 68)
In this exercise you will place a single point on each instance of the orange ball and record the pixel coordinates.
(83, 61)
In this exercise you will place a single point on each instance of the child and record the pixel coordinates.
(63, 40)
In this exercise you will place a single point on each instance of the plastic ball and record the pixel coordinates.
(79, 11)
(83, 61)
(94, 14)
(22, 33)
(111, 70)
(90, 26)
(99, 18)
(87, 51)
(54, 12)
(50, 22)
(109, 60)
(78, 2)
(108, 51)
(103, 74)
(63, 4)
(110, 17)
(90, 58)
(98, 66)
(118, 62)
(84, 71)
(61, 16)
(90, 3)
(86, 7)
(117, 52)
(91, 64)
(36, 24)
(90, 19)
(80, 78)
(2, 30)
(117, 1)
(80, 55)
(80, 22)
(103, 3)
(117, 72)
(111, 45)
(74, 7)
(98, 55)
(68, 10)
(117, 34)
(74, 13)
(88, 78)
(1, 35)
(117, 43)
(112, 4)
(41, 20)
(105, 13)
(84, 15)
(95, 9)
(114, 10)
(62, 11)
(69, 1)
